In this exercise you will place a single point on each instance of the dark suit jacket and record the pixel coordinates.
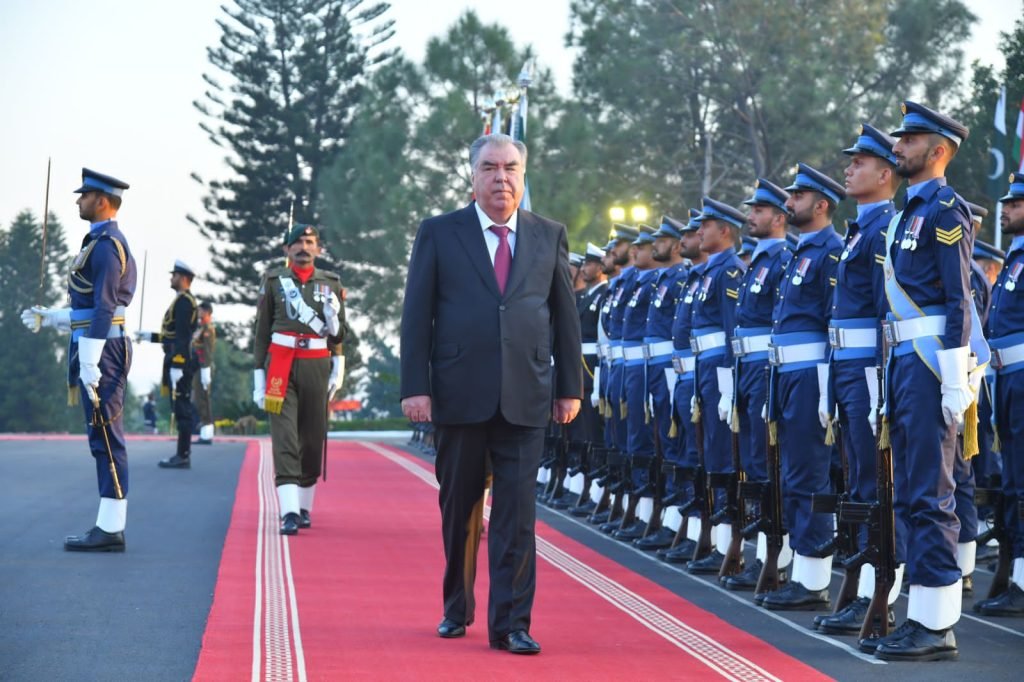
(473, 350)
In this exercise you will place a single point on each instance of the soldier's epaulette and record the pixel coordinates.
(329, 275)
(733, 273)
(952, 217)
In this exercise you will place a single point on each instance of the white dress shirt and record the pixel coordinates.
(490, 238)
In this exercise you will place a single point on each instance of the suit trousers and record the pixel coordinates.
(514, 452)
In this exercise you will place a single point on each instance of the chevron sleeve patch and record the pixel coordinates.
(950, 236)
(834, 257)
(732, 293)
(880, 259)
(832, 281)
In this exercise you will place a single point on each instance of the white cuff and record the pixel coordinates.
(288, 498)
(936, 608)
(112, 515)
(90, 350)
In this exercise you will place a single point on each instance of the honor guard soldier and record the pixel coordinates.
(100, 286)
(575, 263)
(684, 364)
(634, 408)
(771, 254)
(937, 358)
(175, 336)
(1006, 334)
(858, 306)
(587, 428)
(714, 318)
(204, 340)
(985, 268)
(798, 346)
(747, 246)
(297, 349)
(661, 377)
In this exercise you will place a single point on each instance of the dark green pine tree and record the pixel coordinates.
(33, 367)
(290, 75)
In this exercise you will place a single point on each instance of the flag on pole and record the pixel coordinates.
(1001, 166)
(1018, 143)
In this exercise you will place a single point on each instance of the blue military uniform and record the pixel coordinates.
(619, 290)
(750, 340)
(799, 346)
(714, 318)
(101, 284)
(1006, 336)
(930, 327)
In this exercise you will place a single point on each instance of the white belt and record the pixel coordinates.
(701, 344)
(605, 350)
(632, 352)
(799, 352)
(660, 348)
(745, 345)
(298, 342)
(1005, 357)
(907, 330)
(616, 352)
(589, 348)
(852, 338)
(684, 365)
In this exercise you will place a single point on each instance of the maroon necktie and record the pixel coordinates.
(502, 257)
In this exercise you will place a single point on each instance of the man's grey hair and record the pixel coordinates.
(494, 138)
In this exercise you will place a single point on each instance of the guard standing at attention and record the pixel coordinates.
(798, 346)
(300, 326)
(858, 306)
(175, 336)
(937, 360)
(714, 319)
(767, 223)
(1006, 334)
(204, 341)
(587, 427)
(100, 286)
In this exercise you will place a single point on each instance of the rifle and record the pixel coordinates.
(881, 549)
(735, 509)
(580, 462)
(657, 480)
(772, 520)
(703, 495)
(559, 467)
(849, 517)
(993, 497)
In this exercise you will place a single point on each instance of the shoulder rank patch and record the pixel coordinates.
(733, 273)
(950, 236)
(948, 204)
(834, 257)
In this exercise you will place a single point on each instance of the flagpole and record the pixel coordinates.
(999, 225)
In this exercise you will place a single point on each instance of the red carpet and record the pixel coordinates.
(367, 597)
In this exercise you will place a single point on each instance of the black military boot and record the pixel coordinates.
(659, 539)
(95, 540)
(745, 580)
(631, 532)
(290, 524)
(848, 621)
(585, 509)
(304, 519)
(712, 563)
(176, 462)
(917, 643)
(1009, 603)
(680, 554)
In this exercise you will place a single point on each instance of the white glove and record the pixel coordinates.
(259, 387)
(824, 409)
(89, 352)
(175, 376)
(205, 378)
(38, 316)
(764, 412)
(693, 403)
(337, 375)
(141, 336)
(332, 306)
(595, 395)
(956, 389)
(871, 377)
(725, 387)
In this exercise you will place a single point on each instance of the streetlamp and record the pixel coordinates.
(617, 214)
(639, 214)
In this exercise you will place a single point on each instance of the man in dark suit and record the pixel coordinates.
(488, 305)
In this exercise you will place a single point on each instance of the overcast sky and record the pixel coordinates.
(109, 84)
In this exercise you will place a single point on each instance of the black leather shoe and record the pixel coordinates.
(599, 518)
(918, 643)
(1009, 603)
(631, 532)
(449, 629)
(304, 520)
(796, 597)
(968, 585)
(176, 462)
(517, 642)
(712, 563)
(585, 509)
(848, 621)
(680, 554)
(95, 540)
(290, 524)
(745, 580)
(659, 539)
(869, 646)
